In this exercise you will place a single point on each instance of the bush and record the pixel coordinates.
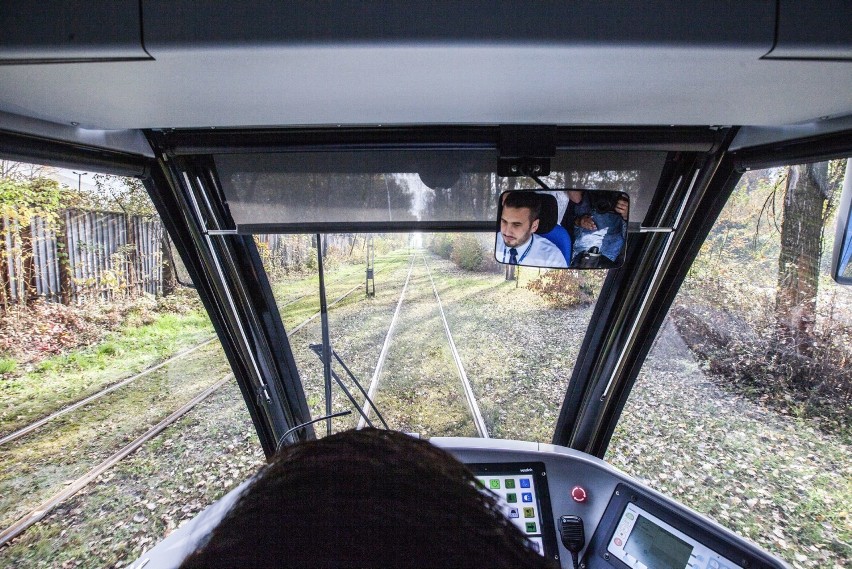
(563, 288)
(467, 252)
(442, 245)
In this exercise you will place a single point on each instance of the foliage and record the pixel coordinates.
(114, 193)
(441, 244)
(8, 365)
(726, 308)
(21, 200)
(467, 252)
(566, 288)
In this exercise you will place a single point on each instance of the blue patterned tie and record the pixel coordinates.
(513, 256)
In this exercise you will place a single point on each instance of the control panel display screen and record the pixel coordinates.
(522, 493)
(655, 547)
(644, 541)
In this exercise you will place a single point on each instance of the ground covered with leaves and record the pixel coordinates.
(142, 499)
(770, 477)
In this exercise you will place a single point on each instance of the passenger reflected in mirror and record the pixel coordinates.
(517, 241)
(597, 221)
(557, 229)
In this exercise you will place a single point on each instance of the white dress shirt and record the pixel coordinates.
(535, 252)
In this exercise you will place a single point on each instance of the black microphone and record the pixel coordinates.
(573, 536)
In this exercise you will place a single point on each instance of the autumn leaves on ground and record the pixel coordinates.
(683, 432)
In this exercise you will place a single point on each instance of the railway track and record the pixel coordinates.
(44, 420)
(44, 508)
(23, 431)
(473, 407)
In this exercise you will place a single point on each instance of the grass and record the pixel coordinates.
(37, 466)
(166, 482)
(301, 294)
(8, 365)
(680, 433)
(60, 380)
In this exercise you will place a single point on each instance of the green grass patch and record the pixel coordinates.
(8, 365)
(61, 380)
(37, 466)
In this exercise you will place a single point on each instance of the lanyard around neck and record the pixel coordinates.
(527, 250)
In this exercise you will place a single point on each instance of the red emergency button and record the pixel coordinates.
(578, 493)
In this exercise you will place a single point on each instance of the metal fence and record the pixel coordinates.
(80, 255)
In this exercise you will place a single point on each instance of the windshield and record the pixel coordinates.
(443, 339)
(447, 342)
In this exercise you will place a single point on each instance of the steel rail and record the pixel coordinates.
(48, 505)
(23, 523)
(374, 382)
(33, 426)
(106, 391)
(318, 313)
(478, 421)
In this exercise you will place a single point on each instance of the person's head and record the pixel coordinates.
(368, 498)
(520, 217)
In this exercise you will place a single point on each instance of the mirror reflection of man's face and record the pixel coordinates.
(516, 225)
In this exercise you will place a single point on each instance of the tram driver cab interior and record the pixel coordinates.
(632, 121)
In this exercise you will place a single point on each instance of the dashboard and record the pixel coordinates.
(625, 524)
(542, 489)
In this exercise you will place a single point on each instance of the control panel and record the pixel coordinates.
(522, 493)
(644, 541)
(609, 519)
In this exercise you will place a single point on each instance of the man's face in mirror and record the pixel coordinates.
(516, 225)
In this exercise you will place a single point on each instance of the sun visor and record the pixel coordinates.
(406, 190)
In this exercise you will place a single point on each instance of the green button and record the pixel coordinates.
(529, 512)
(530, 527)
(511, 497)
(495, 484)
(510, 483)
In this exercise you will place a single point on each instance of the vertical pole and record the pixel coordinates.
(326, 342)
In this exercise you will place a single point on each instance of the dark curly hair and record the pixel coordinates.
(368, 498)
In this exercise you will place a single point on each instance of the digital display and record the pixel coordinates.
(655, 547)
(522, 494)
(642, 540)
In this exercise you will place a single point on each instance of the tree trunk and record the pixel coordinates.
(5, 259)
(135, 284)
(801, 249)
(510, 272)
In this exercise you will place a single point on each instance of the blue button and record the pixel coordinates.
(525, 482)
(526, 496)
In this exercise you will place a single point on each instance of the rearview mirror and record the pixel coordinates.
(841, 255)
(559, 229)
